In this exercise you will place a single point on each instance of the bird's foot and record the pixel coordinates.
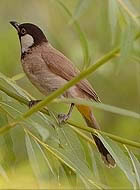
(62, 118)
(33, 102)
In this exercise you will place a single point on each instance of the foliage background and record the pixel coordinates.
(106, 25)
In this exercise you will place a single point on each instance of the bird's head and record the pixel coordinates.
(29, 34)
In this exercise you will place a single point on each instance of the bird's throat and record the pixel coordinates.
(26, 41)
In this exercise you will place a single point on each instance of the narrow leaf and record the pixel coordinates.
(113, 16)
(127, 38)
(13, 85)
(136, 165)
(18, 76)
(46, 159)
(71, 161)
(120, 157)
(81, 35)
(33, 160)
(81, 8)
(102, 106)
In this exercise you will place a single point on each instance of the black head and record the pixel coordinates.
(29, 34)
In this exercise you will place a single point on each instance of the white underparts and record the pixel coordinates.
(26, 42)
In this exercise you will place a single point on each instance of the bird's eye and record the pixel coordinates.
(23, 31)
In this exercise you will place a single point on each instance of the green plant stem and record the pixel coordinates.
(109, 108)
(113, 137)
(72, 124)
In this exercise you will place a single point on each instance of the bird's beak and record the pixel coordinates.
(15, 25)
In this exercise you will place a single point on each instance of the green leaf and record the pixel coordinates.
(86, 150)
(67, 157)
(36, 122)
(102, 106)
(130, 6)
(122, 20)
(71, 142)
(33, 160)
(113, 11)
(136, 166)
(71, 176)
(81, 7)
(78, 166)
(120, 157)
(18, 141)
(13, 85)
(46, 160)
(81, 35)
(18, 76)
(127, 39)
(129, 9)
(42, 131)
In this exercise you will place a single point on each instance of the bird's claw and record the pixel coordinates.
(62, 118)
(32, 103)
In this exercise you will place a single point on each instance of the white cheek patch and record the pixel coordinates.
(26, 42)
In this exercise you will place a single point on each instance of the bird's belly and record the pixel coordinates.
(49, 82)
(44, 80)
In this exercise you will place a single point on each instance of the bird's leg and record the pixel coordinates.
(64, 117)
(33, 102)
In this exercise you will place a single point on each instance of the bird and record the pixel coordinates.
(48, 70)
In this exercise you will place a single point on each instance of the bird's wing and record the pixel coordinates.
(62, 66)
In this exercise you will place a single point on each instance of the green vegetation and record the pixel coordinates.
(102, 40)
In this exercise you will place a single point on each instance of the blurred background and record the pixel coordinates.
(106, 25)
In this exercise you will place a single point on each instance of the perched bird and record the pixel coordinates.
(48, 69)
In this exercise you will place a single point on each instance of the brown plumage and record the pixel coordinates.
(48, 69)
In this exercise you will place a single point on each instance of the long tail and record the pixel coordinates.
(91, 122)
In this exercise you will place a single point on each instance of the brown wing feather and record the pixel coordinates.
(62, 66)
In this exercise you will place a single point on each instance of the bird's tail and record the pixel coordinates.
(91, 122)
